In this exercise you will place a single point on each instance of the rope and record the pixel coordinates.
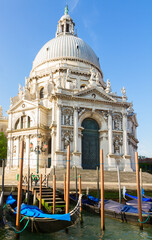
(5, 206)
(145, 220)
(24, 226)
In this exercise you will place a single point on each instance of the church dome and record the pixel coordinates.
(66, 46)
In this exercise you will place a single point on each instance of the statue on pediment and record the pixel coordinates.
(108, 88)
(20, 88)
(123, 90)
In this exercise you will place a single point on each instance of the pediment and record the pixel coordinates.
(22, 105)
(96, 94)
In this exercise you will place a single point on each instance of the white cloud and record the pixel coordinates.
(72, 5)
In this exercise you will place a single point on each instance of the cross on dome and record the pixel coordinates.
(65, 24)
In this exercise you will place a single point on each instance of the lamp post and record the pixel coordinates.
(38, 149)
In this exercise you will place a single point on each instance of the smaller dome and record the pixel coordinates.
(66, 16)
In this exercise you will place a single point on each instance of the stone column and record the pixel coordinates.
(58, 139)
(27, 150)
(75, 129)
(9, 152)
(125, 137)
(18, 151)
(110, 132)
(53, 148)
(53, 111)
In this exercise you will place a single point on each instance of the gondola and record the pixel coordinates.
(37, 221)
(128, 197)
(1, 209)
(115, 210)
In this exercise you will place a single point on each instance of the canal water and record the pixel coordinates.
(90, 230)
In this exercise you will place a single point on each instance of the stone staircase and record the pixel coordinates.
(47, 199)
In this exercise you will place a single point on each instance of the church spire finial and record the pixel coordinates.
(66, 10)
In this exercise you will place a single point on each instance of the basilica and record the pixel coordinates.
(65, 100)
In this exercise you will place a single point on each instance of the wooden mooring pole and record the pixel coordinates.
(98, 190)
(64, 186)
(68, 179)
(141, 186)
(19, 196)
(138, 191)
(40, 198)
(80, 192)
(54, 192)
(102, 190)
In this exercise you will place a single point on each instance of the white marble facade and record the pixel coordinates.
(66, 86)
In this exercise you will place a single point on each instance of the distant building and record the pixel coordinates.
(65, 100)
(145, 164)
(3, 122)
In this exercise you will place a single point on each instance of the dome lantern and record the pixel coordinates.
(65, 24)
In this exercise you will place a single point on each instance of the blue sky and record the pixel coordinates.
(119, 31)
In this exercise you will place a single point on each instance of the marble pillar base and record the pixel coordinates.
(127, 163)
(76, 156)
(59, 162)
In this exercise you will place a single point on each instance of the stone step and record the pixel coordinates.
(60, 203)
(51, 199)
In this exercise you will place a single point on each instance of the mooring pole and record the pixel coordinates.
(19, 195)
(80, 192)
(141, 185)
(76, 187)
(64, 187)
(54, 192)
(28, 179)
(102, 190)
(138, 191)
(98, 191)
(68, 179)
(118, 172)
(40, 199)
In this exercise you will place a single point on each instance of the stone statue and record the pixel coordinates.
(123, 90)
(20, 88)
(108, 88)
(92, 81)
(130, 109)
(97, 79)
(116, 146)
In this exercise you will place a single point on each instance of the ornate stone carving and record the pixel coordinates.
(104, 114)
(67, 116)
(117, 143)
(14, 149)
(117, 121)
(67, 137)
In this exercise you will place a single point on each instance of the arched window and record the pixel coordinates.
(42, 92)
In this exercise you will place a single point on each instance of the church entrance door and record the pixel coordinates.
(90, 144)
